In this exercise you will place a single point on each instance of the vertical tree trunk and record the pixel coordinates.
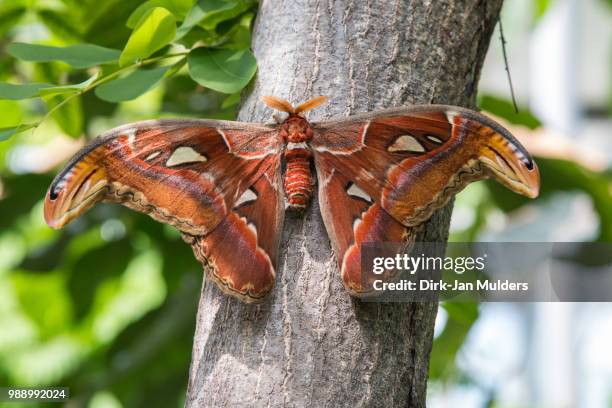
(310, 344)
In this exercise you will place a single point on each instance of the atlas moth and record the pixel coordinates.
(226, 185)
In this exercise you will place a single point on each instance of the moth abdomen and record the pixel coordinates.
(298, 178)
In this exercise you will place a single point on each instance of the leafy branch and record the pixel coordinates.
(219, 59)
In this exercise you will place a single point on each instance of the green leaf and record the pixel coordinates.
(7, 132)
(131, 86)
(176, 67)
(239, 35)
(21, 91)
(25, 91)
(193, 18)
(222, 70)
(106, 21)
(179, 8)
(78, 56)
(67, 89)
(217, 11)
(505, 109)
(209, 13)
(541, 6)
(12, 114)
(232, 100)
(155, 30)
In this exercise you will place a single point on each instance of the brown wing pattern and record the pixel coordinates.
(352, 218)
(388, 171)
(241, 252)
(202, 177)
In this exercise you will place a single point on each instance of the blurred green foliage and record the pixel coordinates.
(107, 313)
(542, 6)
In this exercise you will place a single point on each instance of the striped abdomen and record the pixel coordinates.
(298, 180)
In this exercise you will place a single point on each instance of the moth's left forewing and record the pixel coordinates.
(186, 173)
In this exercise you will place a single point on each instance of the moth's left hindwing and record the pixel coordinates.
(384, 173)
(217, 182)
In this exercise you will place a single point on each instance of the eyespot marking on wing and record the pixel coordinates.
(248, 196)
(184, 154)
(354, 191)
(406, 143)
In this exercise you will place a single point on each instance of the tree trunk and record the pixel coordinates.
(310, 343)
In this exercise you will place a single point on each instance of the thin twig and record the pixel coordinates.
(503, 44)
(108, 78)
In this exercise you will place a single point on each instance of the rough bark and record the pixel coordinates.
(310, 344)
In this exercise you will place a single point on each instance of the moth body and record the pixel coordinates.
(298, 181)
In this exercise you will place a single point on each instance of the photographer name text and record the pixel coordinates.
(453, 286)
